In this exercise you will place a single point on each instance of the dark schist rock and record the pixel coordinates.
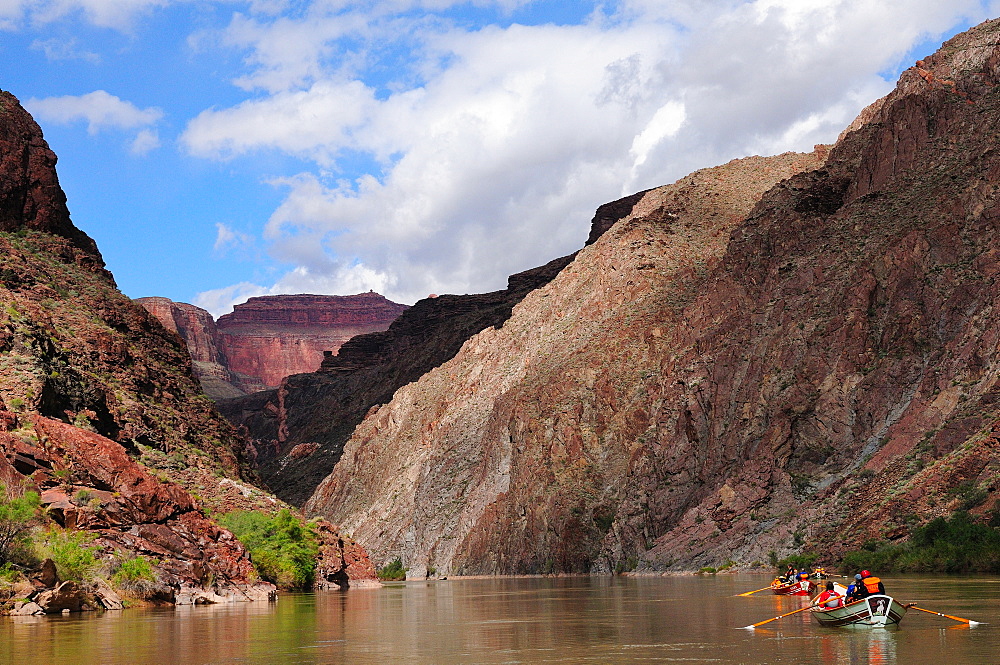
(324, 407)
(30, 195)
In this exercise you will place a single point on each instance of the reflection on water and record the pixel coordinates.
(566, 620)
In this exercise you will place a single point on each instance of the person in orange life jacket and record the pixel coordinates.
(867, 585)
(829, 598)
(872, 584)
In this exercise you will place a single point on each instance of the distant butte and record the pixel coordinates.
(270, 337)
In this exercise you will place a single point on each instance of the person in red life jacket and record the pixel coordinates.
(829, 598)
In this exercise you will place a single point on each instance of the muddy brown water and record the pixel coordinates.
(685, 619)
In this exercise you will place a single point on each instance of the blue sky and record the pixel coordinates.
(221, 150)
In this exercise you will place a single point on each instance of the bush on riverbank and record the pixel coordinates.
(392, 572)
(70, 551)
(283, 548)
(955, 545)
(18, 517)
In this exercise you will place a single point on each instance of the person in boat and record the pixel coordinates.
(804, 583)
(789, 575)
(852, 589)
(871, 584)
(866, 585)
(829, 597)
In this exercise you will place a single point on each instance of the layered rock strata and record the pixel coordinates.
(268, 338)
(777, 354)
(271, 337)
(196, 327)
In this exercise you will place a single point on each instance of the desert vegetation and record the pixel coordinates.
(283, 548)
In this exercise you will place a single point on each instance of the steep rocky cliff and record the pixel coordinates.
(299, 429)
(99, 410)
(271, 337)
(742, 365)
(196, 328)
(268, 338)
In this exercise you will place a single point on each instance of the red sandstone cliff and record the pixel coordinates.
(197, 330)
(272, 337)
(268, 338)
(704, 384)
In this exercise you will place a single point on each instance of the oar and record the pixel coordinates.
(761, 623)
(750, 593)
(948, 616)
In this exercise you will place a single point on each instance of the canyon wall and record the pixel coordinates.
(776, 354)
(270, 337)
(299, 429)
(99, 410)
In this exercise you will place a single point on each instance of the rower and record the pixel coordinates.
(829, 598)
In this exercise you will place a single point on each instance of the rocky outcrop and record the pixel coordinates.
(30, 195)
(709, 381)
(299, 429)
(270, 337)
(343, 563)
(89, 482)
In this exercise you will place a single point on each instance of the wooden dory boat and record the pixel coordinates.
(874, 611)
(793, 589)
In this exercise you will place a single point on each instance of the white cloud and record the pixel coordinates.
(99, 109)
(493, 146)
(313, 122)
(117, 14)
(64, 49)
(229, 240)
(145, 141)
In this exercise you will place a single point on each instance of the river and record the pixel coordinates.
(680, 619)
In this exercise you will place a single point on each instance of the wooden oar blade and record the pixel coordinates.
(750, 593)
(782, 616)
(971, 623)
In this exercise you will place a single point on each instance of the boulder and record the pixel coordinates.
(28, 608)
(66, 596)
(106, 597)
(48, 575)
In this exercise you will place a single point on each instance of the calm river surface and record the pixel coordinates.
(549, 620)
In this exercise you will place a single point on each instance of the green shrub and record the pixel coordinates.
(69, 551)
(18, 515)
(955, 545)
(135, 576)
(283, 549)
(707, 570)
(392, 572)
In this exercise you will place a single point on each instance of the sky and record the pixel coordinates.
(222, 150)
